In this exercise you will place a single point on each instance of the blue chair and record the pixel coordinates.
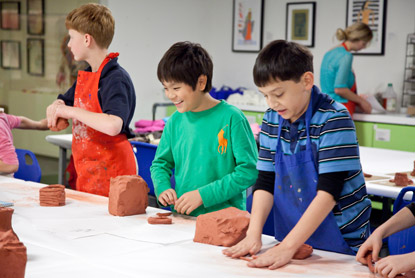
(29, 169)
(269, 224)
(404, 241)
(144, 154)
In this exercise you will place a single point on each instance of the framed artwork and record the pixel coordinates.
(300, 21)
(373, 13)
(10, 55)
(10, 15)
(35, 57)
(247, 25)
(35, 17)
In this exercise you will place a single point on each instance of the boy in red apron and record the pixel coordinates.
(309, 166)
(101, 103)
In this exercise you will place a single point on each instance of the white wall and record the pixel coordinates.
(145, 29)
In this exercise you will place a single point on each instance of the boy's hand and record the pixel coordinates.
(168, 197)
(52, 112)
(395, 265)
(372, 245)
(274, 258)
(249, 245)
(188, 202)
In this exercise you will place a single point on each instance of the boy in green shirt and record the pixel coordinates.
(208, 142)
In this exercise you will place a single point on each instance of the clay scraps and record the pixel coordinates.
(161, 218)
(401, 179)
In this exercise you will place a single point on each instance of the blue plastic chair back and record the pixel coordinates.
(404, 241)
(29, 169)
(145, 154)
(269, 224)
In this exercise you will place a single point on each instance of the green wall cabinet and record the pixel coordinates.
(386, 136)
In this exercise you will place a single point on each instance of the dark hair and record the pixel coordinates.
(282, 60)
(186, 62)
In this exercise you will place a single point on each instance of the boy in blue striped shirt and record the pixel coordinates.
(309, 166)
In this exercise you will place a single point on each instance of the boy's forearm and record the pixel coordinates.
(314, 215)
(261, 206)
(401, 220)
(105, 123)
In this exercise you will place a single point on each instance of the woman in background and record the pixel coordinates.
(337, 77)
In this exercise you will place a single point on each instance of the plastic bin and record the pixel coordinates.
(144, 154)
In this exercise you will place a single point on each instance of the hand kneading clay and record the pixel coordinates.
(128, 195)
(401, 179)
(303, 252)
(13, 256)
(60, 125)
(225, 227)
(52, 195)
(413, 171)
(369, 263)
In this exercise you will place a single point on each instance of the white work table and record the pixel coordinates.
(81, 239)
(374, 161)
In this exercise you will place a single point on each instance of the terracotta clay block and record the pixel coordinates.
(52, 195)
(225, 227)
(159, 220)
(13, 256)
(128, 195)
(401, 179)
(60, 125)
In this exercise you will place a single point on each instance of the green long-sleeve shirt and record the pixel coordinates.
(213, 151)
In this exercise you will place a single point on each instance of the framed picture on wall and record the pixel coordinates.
(10, 54)
(35, 57)
(300, 21)
(35, 17)
(373, 13)
(247, 25)
(10, 15)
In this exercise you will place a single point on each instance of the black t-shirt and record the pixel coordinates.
(329, 182)
(116, 94)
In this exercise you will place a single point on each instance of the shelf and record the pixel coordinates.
(409, 93)
(410, 80)
(410, 68)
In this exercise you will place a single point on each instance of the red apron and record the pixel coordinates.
(97, 156)
(350, 105)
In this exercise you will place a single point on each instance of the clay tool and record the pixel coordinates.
(5, 204)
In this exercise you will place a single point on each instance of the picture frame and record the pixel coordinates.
(10, 15)
(10, 54)
(247, 25)
(35, 57)
(373, 13)
(300, 22)
(35, 17)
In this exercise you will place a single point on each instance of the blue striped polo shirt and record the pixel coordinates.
(335, 149)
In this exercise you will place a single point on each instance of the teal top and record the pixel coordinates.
(336, 72)
(213, 151)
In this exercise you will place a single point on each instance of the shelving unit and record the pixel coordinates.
(408, 97)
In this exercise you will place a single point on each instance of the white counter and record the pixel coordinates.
(390, 118)
(81, 239)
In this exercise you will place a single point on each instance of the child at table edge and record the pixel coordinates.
(101, 103)
(309, 166)
(393, 265)
(208, 142)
